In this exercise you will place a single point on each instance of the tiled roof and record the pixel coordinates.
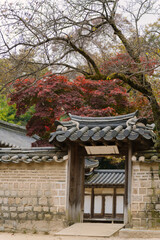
(34, 155)
(151, 155)
(12, 135)
(106, 177)
(102, 129)
(90, 163)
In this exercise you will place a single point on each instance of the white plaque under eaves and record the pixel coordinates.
(102, 150)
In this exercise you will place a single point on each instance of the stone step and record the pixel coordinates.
(80, 238)
(88, 231)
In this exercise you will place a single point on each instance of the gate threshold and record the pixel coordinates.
(101, 230)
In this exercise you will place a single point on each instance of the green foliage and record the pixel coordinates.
(111, 163)
(8, 112)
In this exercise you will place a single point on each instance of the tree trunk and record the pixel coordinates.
(156, 114)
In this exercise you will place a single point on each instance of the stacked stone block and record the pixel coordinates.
(145, 203)
(32, 196)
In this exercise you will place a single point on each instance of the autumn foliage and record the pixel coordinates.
(55, 96)
(123, 63)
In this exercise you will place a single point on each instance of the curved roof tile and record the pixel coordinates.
(103, 129)
(36, 155)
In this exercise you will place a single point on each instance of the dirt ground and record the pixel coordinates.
(18, 236)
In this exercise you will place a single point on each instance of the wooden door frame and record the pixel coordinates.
(128, 184)
(75, 183)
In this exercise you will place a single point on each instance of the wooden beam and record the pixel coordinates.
(75, 183)
(114, 203)
(92, 203)
(104, 143)
(128, 180)
(82, 144)
(129, 173)
(93, 143)
(126, 191)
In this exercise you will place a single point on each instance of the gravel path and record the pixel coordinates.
(18, 236)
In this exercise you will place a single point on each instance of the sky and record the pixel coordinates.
(145, 19)
(135, 5)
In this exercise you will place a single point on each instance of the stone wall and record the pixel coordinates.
(32, 196)
(145, 207)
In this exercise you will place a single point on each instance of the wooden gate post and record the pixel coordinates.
(128, 182)
(75, 183)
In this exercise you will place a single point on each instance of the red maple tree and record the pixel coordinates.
(55, 96)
